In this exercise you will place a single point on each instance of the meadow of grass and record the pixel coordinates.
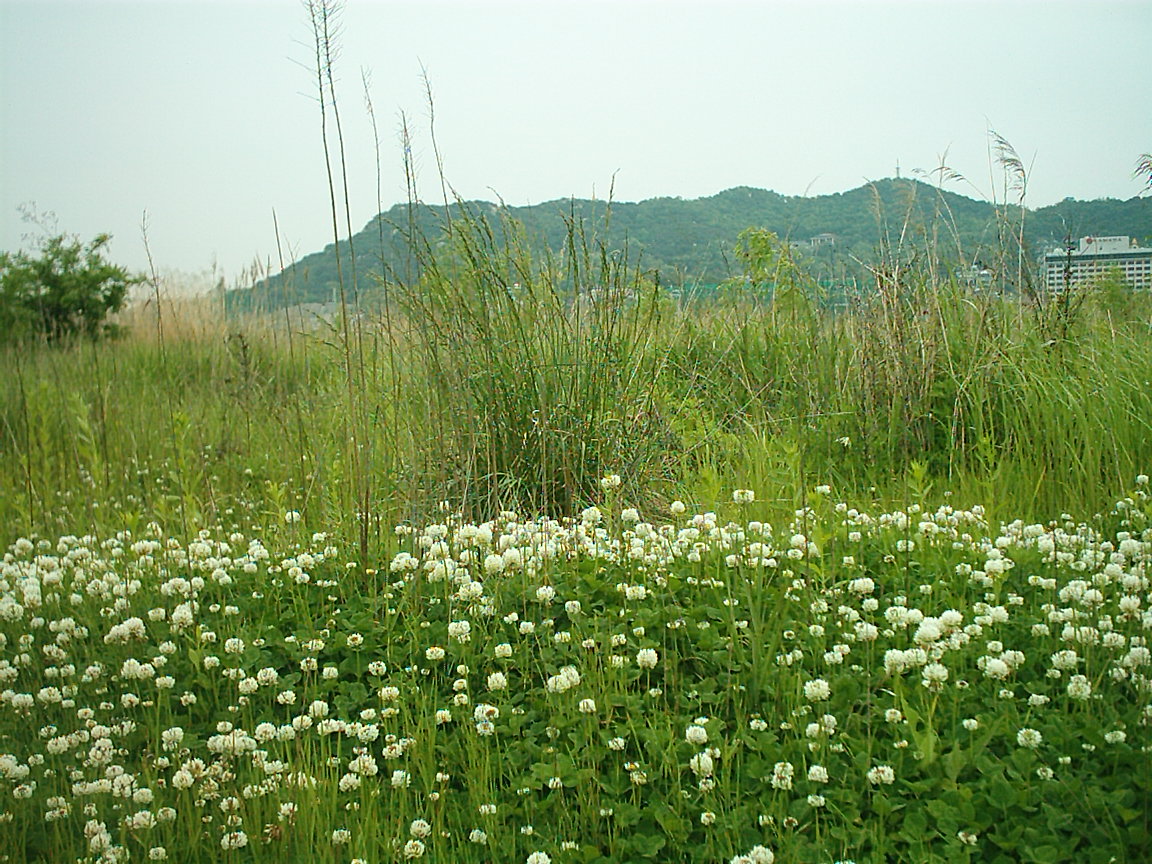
(419, 584)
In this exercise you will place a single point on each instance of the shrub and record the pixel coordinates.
(68, 290)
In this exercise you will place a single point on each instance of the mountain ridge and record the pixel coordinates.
(691, 240)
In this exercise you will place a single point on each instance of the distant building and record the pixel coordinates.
(813, 242)
(1095, 257)
(978, 277)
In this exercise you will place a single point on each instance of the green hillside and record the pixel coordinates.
(691, 241)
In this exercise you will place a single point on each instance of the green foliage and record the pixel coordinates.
(848, 684)
(68, 290)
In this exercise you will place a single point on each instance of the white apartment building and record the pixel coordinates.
(1095, 257)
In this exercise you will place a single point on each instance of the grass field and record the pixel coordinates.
(538, 563)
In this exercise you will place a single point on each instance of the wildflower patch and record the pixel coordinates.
(903, 686)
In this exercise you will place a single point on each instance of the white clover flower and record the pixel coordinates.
(881, 775)
(701, 764)
(1029, 738)
(782, 773)
(743, 496)
(609, 482)
(484, 711)
(1079, 687)
(677, 508)
(497, 681)
(587, 706)
(616, 743)
(697, 735)
(817, 690)
(419, 829)
(461, 631)
(591, 515)
(635, 592)
(413, 849)
(817, 774)
(567, 678)
(929, 631)
(538, 858)
(995, 668)
(171, 738)
(935, 674)
(234, 840)
(434, 653)
(647, 658)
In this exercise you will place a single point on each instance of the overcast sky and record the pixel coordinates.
(203, 114)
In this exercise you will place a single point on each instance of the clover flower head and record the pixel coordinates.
(881, 775)
(817, 690)
(647, 658)
(1029, 738)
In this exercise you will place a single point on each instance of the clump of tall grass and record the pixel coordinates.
(530, 374)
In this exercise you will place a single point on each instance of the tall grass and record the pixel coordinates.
(499, 375)
(518, 380)
(535, 373)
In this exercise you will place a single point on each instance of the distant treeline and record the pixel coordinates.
(687, 242)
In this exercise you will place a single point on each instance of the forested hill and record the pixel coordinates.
(691, 241)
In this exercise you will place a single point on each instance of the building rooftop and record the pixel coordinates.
(1117, 245)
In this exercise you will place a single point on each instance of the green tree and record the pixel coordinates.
(68, 290)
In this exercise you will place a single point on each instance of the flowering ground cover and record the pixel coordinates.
(912, 685)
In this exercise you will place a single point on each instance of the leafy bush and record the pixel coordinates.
(69, 290)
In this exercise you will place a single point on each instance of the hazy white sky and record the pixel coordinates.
(202, 114)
